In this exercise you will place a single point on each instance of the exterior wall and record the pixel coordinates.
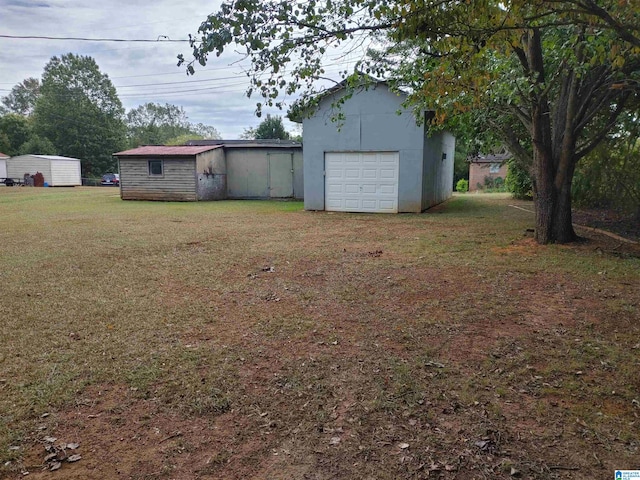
(298, 177)
(437, 182)
(371, 123)
(18, 166)
(211, 181)
(477, 172)
(65, 173)
(248, 172)
(178, 182)
(3, 169)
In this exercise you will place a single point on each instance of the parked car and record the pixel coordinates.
(110, 179)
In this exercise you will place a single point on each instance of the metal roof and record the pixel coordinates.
(259, 143)
(169, 151)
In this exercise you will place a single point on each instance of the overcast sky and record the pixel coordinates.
(141, 72)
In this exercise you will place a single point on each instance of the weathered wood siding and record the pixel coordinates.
(211, 169)
(178, 182)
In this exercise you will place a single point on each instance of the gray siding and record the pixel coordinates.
(437, 183)
(178, 182)
(371, 124)
(248, 172)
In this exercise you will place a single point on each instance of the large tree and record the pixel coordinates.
(549, 78)
(79, 111)
(272, 127)
(23, 96)
(15, 130)
(157, 124)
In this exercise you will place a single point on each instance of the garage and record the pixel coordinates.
(361, 182)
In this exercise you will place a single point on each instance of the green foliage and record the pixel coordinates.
(15, 130)
(610, 176)
(37, 145)
(157, 124)
(462, 186)
(22, 98)
(518, 181)
(80, 113)
(269, 128)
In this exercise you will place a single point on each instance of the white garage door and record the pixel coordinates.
(361, 182)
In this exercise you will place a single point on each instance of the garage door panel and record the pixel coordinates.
(362, 181)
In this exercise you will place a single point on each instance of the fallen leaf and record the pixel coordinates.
(334, 441)
(74, 458)
(49, 439)
(403, 446)
(55, 466)
(72, 446)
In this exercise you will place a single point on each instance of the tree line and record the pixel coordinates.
(75, 111)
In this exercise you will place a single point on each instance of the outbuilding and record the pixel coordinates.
(212, 170)
(373, 158)
(57, 171)
(3, 167)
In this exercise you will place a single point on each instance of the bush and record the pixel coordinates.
(518, 181)
(462, 185)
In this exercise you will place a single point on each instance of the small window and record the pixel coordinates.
(155, 167)
(494, 168)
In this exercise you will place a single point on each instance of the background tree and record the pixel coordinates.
(37, 145)
(269, 128)
(22, 98)
(157, 124)
(15, 130)
(79, 111)
(550, 78)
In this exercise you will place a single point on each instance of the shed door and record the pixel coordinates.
(361, 182)
(280, 175)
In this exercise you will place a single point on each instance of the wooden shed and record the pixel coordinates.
(261, 168)
(212, 170)
(173, 173)
(57, 171)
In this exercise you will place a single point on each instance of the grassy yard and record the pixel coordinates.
(235, 340)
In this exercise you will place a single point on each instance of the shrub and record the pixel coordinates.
(462, 185)
(518, 181)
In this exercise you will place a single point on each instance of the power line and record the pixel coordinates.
(160, 39)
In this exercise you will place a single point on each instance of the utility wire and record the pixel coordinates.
(160, 39)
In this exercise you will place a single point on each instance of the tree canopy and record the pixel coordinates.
(22, 98)
(272, 127)
(80, 113)
(15, 130)
(548, 79)
(157, 124)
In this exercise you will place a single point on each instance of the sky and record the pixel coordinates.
(141, 72)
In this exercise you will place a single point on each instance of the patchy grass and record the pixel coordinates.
(256, 340)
